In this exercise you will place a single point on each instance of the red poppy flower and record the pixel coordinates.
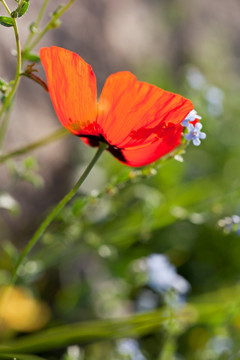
(139, 122)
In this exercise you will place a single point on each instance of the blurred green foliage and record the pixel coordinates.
(90, 265)
(91, 270)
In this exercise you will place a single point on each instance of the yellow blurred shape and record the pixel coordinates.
(20, 311)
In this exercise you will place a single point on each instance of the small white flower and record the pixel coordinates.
(191, 117)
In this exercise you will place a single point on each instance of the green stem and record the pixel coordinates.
(41, 12)
(49, 25)
(18, 70)
(4, 126)
(36, 23)
(168, 349)
(54, 213)
(6, 7)
(55, 136)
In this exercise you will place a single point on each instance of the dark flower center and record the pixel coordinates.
(94, 141)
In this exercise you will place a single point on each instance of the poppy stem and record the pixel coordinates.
(47, 221)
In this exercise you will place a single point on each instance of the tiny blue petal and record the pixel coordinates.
(198, 126)
(188, 136)
(196, 142)
(202, 135)
(185, 122)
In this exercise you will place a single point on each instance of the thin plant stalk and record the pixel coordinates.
(4, 126)
(23, 150)
(9, 97)
(43, 226)
(36, 23)
(6, 7)
(49, 25)
(7, 103)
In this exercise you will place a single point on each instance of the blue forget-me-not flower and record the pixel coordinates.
(194, 132)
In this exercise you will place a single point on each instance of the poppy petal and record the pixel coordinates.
(72, 88)
(134, 113)
(148, 153)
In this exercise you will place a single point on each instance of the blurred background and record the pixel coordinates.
(161, 241)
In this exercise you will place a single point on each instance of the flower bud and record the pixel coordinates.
(33, 29)
(55, 23)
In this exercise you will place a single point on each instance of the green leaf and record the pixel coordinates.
(6, 21)
(3, 82)
(55, 338)
(31, 56)
(30, 163)
(23, 8)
